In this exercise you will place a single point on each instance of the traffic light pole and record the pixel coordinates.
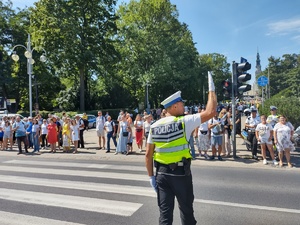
(234, 87)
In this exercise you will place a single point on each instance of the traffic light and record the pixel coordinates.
(240, 76)
(227, 88)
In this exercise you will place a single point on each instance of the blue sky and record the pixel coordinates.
(238, 28)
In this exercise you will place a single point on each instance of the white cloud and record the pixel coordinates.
(284, 27)
(296, 38)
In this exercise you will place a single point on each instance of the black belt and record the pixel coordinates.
(178, 168)
(251, 131)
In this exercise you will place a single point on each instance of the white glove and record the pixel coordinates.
(153, 183)
(211, 85)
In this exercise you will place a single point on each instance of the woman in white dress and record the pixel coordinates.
(123, 136)
(283, 133)
(75, 134)
(146, 127)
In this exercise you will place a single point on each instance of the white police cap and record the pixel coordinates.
(272, 107)
(253, 109)
(176, 97)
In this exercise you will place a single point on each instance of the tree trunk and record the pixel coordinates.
(82, 107)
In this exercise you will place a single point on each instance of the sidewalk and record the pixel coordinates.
(92, 152)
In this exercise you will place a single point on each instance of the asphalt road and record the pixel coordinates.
(94, 187)
(62, 191)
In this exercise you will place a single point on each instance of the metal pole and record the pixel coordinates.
(262, 97)
(36, 96)
(234, 87)
(29, 71)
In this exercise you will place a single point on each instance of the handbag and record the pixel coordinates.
(125, 134)
(204, 132)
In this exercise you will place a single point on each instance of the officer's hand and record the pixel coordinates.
(211, 85)
(153, 183)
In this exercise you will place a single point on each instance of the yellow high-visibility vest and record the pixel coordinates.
(170, 141)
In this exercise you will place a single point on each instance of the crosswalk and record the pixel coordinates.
(41, 183)
(49, 192)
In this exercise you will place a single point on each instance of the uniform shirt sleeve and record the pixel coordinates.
(190, 123)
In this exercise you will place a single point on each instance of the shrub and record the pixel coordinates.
(288, 106)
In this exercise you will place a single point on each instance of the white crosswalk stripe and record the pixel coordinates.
(72, 202)
(29, 168)
(79, 165)
(100, 187)
(78, 173)
(8, 218)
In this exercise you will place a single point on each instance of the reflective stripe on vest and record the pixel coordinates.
(170, 141)
(172, 149)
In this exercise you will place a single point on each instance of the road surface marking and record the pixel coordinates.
(80, 165)
(78, 185)
(120, 208)
(239, 205)
(8, 218)
(78, 173)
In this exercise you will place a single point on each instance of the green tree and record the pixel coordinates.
(156, 49)
(284, 74)
(77, 34)
(217, 63)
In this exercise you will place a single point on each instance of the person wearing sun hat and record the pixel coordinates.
(168, 150)
(273, 118)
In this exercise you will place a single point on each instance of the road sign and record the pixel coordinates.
(262, 81)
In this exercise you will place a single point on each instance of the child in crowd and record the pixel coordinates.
(75, 134)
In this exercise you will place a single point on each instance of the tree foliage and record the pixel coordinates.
(156, 49)
(103, 57)
(77, 36)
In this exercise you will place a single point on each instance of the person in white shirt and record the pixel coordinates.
(110, 128)
(138, 125)
(203, 139)
(35, 133)
(273, 118)
(44, 132)
(264, 134)
(100, 121)
(251, 122)
(216, 127)
(75, 134)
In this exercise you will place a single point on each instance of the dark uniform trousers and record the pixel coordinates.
(81, 141)
(173, 183)
(253, 140)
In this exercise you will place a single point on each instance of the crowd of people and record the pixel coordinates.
(67, 134)
(37, 133)
(211, 138)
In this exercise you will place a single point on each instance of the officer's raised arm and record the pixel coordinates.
(211, 106)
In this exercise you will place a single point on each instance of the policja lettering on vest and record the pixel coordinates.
(166, 129)
(167, 149)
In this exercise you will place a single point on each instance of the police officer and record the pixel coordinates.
(273, 118)
(168, 149)
(251, 122)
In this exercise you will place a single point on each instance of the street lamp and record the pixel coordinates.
(30, 62)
